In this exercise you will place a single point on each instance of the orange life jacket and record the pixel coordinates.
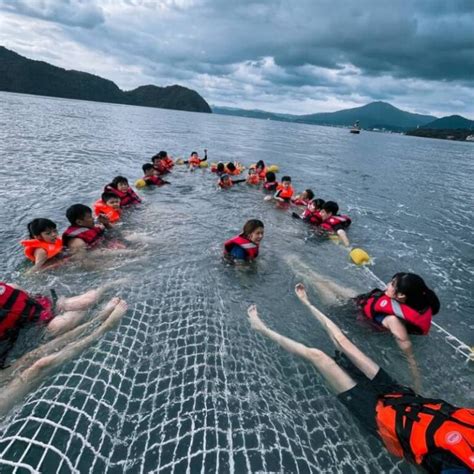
(412, 426)
(253, 179)
(51, 249)
(234, 172)
(194, 160)
(284, 193)
(225, 185)
(168, 163)
(101, 208)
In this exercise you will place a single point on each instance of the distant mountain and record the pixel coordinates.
(376, 115)
(453, 122)
(23, 75)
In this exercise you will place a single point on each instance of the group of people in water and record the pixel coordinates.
(430, 433)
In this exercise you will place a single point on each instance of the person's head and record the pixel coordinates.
(43, 229)
(120, 183)
(80, 215)
(270, 177)
(194, 154)
(111, 200)
(315, 204)
(260, 165)
(163, 154)
(148, 169)
(231, 166)
(307, 194)
(220, 167)
(253, 230)
(156, 158)
(286, 181)
(252, 171)
(330, 208)
(225, 179)
(410, 289)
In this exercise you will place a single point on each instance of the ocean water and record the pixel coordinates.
(184, 384)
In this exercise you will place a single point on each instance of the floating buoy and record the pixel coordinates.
(203, 164)
(273, 168)
(359, 256)
(179, 161)
(140, 183)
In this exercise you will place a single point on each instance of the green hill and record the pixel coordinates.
(23, 75)
(452, 122)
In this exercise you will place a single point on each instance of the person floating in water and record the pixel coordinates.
(303, 199)
(195, 161)
(270, 184)
(151, 176)
(63, 318)
(284, 191)
(120, 187)
(225, 181)
(44, 243)
(159, 164)
(312, 213)
(260, 169)
(333, 223)
(429, 433)
(167, 160)
(253, 178)
(245, 246)
(232, 169)
(109, 206)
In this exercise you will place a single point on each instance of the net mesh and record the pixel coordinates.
(179, 387)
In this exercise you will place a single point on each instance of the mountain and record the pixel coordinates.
(452, 122)
(453, 127)
(23, 75)
(260, 114)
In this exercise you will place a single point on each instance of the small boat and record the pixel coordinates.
(470, 138)
(355, 128)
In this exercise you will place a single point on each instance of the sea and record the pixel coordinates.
(184, 384)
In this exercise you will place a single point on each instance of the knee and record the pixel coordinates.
(317, 356)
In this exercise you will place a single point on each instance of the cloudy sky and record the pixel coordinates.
(292, 56)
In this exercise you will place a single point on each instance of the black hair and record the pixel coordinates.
(117, 180)
(318, 203)
(77, 211)
(231, 166)
(286, 178)
(270, 177)
(330, 206)
(194, 153)
(36, 226)
(146, 167)
(309, 193)
(418, 295)
(224, 176)
(155, 157)
(107, 195)
(162, 154)
(220, 167)
(260, 164)
(252, 225)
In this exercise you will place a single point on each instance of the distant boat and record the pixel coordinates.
(355, 128)
(470, 138)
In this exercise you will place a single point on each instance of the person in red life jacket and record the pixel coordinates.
(225, 181)
(232, 169)
(270, 184)
(151, 177)
(252, 178)
(159, 165)
(429, 433)
(63, 318)
(44, 243)
(83, 233)
(219, 169)
(303, 199)
(109, 206)
(167, 161)
(244, 247)
(120, 187)
(312, 213)
(333, 223)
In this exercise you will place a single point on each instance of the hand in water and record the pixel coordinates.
(255, 320)
(103, 219)
(300, 291)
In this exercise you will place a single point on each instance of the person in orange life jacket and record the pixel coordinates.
(252, 177)
(261, 169)
(311, 214)
(244, 247)
(225, 181)
(232, 169)
(334, 223)
(83, 233)
(284, 191)
(151, 177)
(219, 169)
(120, 187)
(270, 183)
(109, 206)
(303, 199)
(159, 164)
(167, 161)
(432, 434)
(43, 244)
(194, 160)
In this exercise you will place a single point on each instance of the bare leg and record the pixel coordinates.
(31, 377)
(65, 322)
(357, 357)
(338, 380)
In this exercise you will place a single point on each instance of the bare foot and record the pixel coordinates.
(115, 316)
(255, 320)
(77, 303)
(300, 291)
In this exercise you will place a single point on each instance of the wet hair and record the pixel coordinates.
(76, 212)
(252, 171)
(260, 164)
(146, 167)
(251, 226)
(286, 178)
(220, 167)
(117, 180)
(330, 206)
(106, 196)
(162, 154)
(309, 194)
(194, 153)
(318, 203)
(156, 157)
(231, 166)
(224, 177)
(36, 226)
(270, 177)
(418, 295)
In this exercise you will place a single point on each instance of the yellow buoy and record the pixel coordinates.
(204, 164)
(359, 256)
(273, 168)
(179, 161)
(140, 183)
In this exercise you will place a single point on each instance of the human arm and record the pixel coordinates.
(40, 258)
(104, 221)
(205, 155)
(238, 253)
(341, 233)
(237, 181)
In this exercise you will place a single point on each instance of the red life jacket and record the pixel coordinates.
(194, 160)
(51, 249)
(300, 202)
(333, 221)
(270, 185)
(413, 427)
(378, 303)
(16, 307)
(127, 198)
(284, 193)
(225, 185)
(90, 236)
(253, 179)
(168, 163)
(154, 180)
(313, 217)
(250, 248)
(161, 167)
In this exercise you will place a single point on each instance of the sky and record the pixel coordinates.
(288, 56)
